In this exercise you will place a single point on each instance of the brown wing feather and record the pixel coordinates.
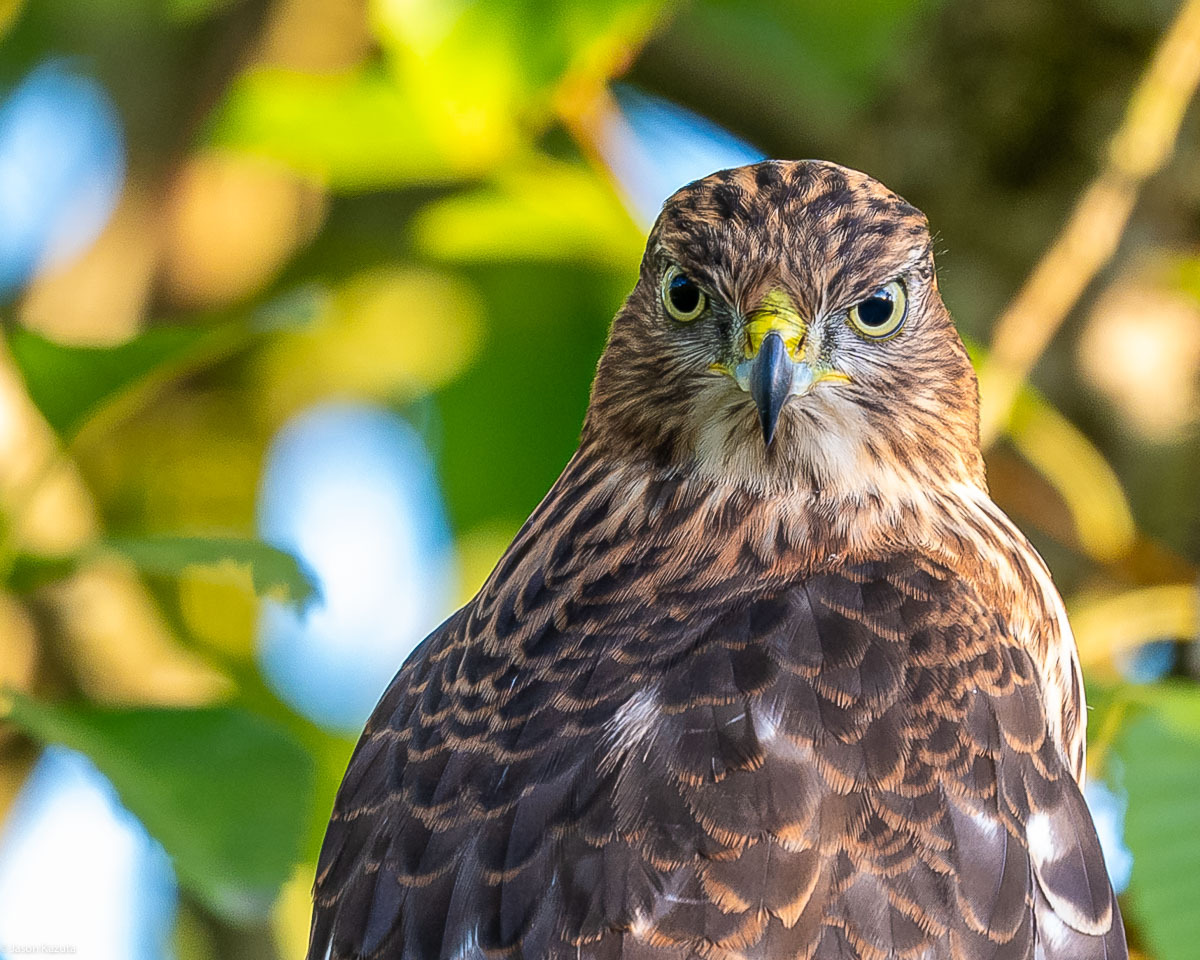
(628, 747)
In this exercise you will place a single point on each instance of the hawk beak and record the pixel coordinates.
(775, 341)
(772, 373)
(777, 365)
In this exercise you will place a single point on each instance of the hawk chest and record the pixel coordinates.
(878, 680)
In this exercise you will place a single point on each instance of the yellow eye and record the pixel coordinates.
(882, 313)
(683, 299)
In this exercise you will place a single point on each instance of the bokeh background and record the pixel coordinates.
(301, 301)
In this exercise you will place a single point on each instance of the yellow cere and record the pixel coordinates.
(776, 314)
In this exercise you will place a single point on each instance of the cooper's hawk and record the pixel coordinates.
(767, 674)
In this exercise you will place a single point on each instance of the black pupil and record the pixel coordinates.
(685, 295)
(877, 310)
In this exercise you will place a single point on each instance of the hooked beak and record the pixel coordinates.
(777, 364)
(771, 375)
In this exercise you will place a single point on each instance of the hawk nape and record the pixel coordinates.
(766, 674)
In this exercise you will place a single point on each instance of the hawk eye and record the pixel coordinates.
(882, 313)
(683, 299)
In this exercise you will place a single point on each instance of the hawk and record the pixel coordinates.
(766, 674)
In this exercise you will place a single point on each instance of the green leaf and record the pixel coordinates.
(272, 571)
(541, 210)
(30, 571)
(69, 384)
(1159, 748)
(352, 131)
(523, 46)
(457, 90)
(226, 793)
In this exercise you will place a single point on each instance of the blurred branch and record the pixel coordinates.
(1141, 146)
(1111, 626)
(584, 102)
(1090, 488)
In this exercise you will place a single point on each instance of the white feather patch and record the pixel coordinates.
(632, 727)
(1039, 834)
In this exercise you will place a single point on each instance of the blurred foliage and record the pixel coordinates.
(94, 374)
(273, 572)
(400, 201)
(1157, 762)
(226, 792)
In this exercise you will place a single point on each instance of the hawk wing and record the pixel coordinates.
(637, 758)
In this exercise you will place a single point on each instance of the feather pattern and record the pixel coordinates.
(808, 759)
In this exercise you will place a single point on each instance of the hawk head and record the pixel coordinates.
(786, 328)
